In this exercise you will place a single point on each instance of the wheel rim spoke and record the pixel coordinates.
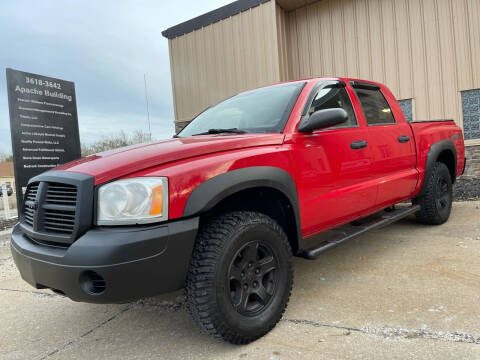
(235, 273)
(251, 252)
(242, 302)
(444, 200)
(442, 195)
(251, 277)
(262, 294)
(266, 265)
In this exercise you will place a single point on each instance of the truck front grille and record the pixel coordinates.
(59, 221)
(30, 195)
(56, 213)
(52, 211)
(61, 194)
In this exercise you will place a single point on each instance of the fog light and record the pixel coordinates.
(92, 283)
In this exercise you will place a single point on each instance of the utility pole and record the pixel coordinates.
(148, 111)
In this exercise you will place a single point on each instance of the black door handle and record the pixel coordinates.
(403, 138)
(360, 144)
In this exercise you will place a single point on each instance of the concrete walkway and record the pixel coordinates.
(404, 292)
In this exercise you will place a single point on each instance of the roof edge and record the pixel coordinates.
(211, 17)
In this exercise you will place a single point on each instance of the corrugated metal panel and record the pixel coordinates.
(404, 46)
(425, 50)
(211, 17)
(224, 58)
(473, 10)
(289, 5)
(283, 50)
(422, 49)
(363, 41)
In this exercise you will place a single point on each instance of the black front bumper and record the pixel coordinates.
(133, 262)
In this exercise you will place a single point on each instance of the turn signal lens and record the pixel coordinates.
(157, 201)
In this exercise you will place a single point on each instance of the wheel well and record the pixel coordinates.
(447, 157)
(268, 201)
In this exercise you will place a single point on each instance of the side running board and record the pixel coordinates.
(384, 220)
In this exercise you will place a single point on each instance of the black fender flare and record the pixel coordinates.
(433, 154)
(209, 193)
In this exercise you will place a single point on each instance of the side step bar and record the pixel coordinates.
(384, 220)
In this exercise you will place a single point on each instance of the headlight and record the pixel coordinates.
(133, 201)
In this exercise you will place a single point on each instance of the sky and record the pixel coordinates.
(105, 47)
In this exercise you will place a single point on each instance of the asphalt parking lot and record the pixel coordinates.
(407, 291)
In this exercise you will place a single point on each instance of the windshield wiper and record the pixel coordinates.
(221, 131)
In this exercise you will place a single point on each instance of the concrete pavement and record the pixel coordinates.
(407, 291)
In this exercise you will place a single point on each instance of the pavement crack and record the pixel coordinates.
(86, 333)
(317, 324)
(36, 293)
(390, 332)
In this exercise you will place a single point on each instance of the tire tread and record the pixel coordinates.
(428, 213)
(200, 289)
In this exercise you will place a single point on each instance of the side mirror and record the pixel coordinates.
(322, 119)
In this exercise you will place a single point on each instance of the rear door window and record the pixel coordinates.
(375, 107)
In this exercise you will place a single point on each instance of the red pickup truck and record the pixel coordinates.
(223, 206)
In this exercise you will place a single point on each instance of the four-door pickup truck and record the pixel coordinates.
(221, 208)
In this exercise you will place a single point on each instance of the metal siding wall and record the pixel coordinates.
(224, 58)
(328, 60)
(292, 36)
(404, 49)
(282, 43)
(474, 24)
(363, 40)
(427, 50)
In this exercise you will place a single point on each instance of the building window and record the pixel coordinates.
(406, 106)
(471, 114)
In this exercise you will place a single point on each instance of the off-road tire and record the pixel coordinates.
(209, 284)
(438, 184)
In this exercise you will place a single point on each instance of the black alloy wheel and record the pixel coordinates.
(251, 277)
(436, 202)
(240, 276)
(442, 196)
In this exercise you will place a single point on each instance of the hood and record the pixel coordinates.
(113, 164)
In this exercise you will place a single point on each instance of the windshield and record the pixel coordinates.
(257, 111)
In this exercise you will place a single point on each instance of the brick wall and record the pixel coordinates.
(473, 161)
